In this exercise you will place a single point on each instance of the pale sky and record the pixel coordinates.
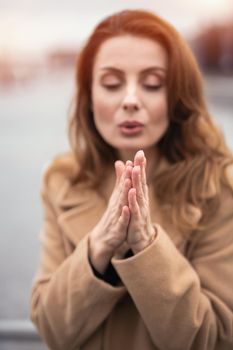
(36, 25)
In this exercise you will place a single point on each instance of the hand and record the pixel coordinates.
(111, 231)
(140, 230)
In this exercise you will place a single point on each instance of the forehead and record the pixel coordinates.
(129, 51)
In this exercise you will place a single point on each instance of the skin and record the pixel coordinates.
(129, 83)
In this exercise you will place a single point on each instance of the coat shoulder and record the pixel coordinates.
(58, 171)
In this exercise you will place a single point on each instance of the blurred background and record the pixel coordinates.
(39, 42)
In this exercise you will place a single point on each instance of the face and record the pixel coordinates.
(129, 94)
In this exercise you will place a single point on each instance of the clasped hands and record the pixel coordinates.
(134, 201)
(126, 221)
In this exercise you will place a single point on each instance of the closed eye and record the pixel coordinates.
(112, 86)
(152, 87)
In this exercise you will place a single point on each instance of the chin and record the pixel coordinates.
(126, 147)
(136, 145)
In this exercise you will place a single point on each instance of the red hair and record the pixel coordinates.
(192, 144)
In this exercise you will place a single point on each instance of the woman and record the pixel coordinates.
(140, 258)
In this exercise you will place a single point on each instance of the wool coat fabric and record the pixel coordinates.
(176, 294)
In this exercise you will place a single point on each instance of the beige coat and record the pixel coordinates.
(175, 294)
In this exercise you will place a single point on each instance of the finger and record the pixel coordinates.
(120, 177)
(137, 184)
(119, 169)
(133, 204)
(128, 171)
(140, 160)
(124, 217)
(122, 173)
(143, 170)
(119, 196)
(120, 193)
(144, 181)
(123, 198)
(129, 162)
(124, 185)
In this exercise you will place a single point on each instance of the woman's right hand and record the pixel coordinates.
(111, 231)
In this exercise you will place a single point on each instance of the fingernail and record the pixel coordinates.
(128, 162)
(141, 152)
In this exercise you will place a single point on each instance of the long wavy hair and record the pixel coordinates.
(193, 145)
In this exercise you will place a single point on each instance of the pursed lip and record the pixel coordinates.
(131, 124)
(131, 128)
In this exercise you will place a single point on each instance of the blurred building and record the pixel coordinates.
(213, 47)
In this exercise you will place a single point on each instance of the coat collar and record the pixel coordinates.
(79, 211)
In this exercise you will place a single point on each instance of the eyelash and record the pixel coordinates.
(152, 87)
(146, 87)
(111, 87)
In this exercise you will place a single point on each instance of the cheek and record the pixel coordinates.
(159, 110)
(103, 118)
(159, 117)
(103, 108)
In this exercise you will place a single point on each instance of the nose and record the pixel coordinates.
(131, 102)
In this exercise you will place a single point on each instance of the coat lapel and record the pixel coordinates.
(80, 209)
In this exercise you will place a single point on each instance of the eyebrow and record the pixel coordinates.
(147, 70)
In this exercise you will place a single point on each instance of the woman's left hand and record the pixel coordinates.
(140, 229)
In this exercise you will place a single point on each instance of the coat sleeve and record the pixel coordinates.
(186, 303)
(68, 302)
